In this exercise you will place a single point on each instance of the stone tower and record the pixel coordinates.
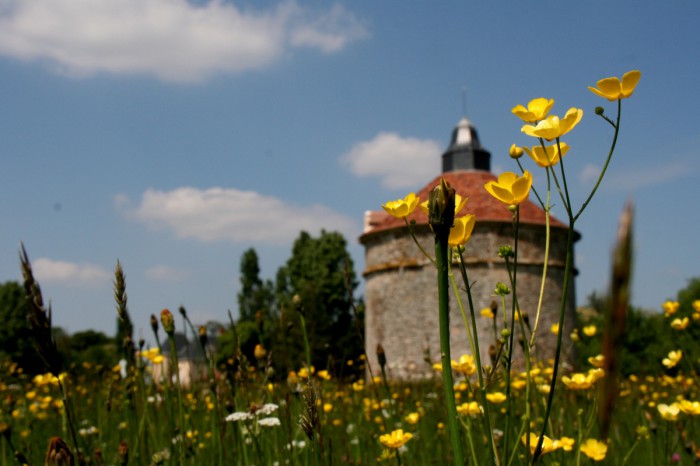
(401, 283)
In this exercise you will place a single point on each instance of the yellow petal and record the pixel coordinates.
(499, 193)
(521, 187)
(629, 82)
(610, 87)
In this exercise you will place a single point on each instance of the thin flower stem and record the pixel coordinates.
(442, 262)
(546, 261)
(463, 312)
(477, 360)
(415, 240)
(607, 161)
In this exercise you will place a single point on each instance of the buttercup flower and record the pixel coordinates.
(669, 412)
(594, 449)
(465, 364)
(510, 188)
(402, 208)
(548, 445)
(552, 127)
(614, 89)
(461, 230)
(549, 156)
(537, 109)
(690, 407)
(673, 358)
(515, 152)
(487, 312)
(579, 381)
(590, 330)
(670, 307)
(680, 324)
(396, 439)
(470, 409)
(496, 397)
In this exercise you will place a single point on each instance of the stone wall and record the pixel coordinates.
(401, 294)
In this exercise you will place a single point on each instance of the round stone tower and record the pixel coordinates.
(401, 283)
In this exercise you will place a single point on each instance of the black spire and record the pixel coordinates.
(465, 151)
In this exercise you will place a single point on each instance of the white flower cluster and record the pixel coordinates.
(265, 410)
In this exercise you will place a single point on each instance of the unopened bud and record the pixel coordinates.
(441, 208)
(599, 111)
(203, 337)
(516, 152)
(381, 355)
(505, 251)
(154, 324)
(501, 289)
(505, 333)
(58, 453)
(166, 318)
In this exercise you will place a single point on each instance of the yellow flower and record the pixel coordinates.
(469, 409)
(327, 407)
(597, 361)
(510, 188)
(669, 412)
(465, 364)
(594, 449)
(673, 358)
(537, 109)
(578, 381)
(395, 439)
(324, 374)
(680, 324)
(690, 407)
(552, 127)
(566, 443)
(614, 89)
(554, 328)
(402, 208)
(590, 330)
(487, 312)
(496, 397)
(412, 418)
(515, 152)
(549, 156)
(670, 307)
(548, 445)
(259, 352)
(461, 230)
(696, 305)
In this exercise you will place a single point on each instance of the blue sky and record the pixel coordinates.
(173, 135)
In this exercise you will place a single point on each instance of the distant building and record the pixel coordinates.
(400, 282)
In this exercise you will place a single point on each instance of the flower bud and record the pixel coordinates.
(505, 251)
(166, 318)
(259, 352)
(381, 356)
(154, 324)
(505, 333)
(516, 152)
(441, 208)
(599, 111)
(501, 289)
(58, 453)
(203, 337)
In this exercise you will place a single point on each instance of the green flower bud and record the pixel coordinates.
(166, 318)
(505, 333)
(501, 289)
(505, 251)
(599, 111)
(441, 208)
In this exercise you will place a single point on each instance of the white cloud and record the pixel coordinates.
(164, 273)
(589, 173)
(218, 214)
(173, 40)
(48, 270)
(400, 162)
(644, 177)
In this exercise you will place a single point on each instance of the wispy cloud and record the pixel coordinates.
(173, 40)
(400, 162)
(165, 273)
(83, 274)
(218, 214)
(637, 178)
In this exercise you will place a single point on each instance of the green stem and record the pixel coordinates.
(444, 318)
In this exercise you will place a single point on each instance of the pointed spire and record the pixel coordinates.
(465, 151)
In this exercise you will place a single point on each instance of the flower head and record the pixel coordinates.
(470, 409)
(547, 156)
(166, 318)
(510, 188)
(552, 127)
(537, 109)
(402, 208)
(395, 439)
(548, 445)
(496, 397)
(465, 364)
(594, 449)
(614, 89)
(680, 324)
(461, 230)
(590, 330)
(515, 152)
(669, 412)
(670, 307)
(673, 359)
(579, 381)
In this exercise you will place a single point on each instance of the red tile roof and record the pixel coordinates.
(468, 183)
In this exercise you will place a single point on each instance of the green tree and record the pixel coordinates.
(15, 335)
(320, 274)
(256, 298)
